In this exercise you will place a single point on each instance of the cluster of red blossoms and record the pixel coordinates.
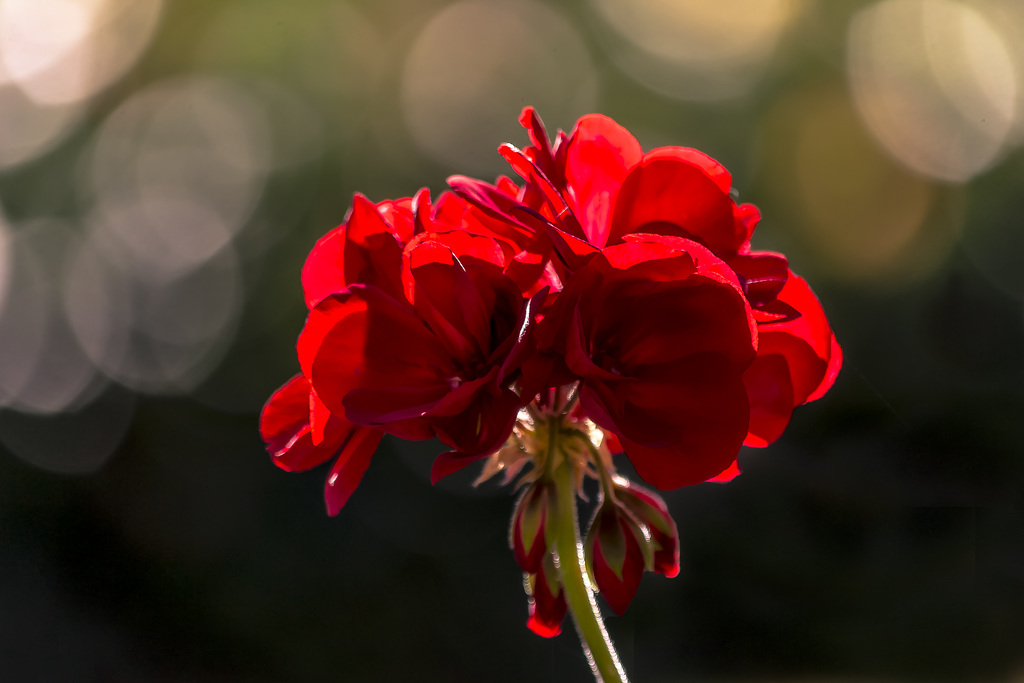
(608, 293)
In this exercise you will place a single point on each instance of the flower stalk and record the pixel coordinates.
(579, 593)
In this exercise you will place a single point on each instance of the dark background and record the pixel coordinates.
(165, 168)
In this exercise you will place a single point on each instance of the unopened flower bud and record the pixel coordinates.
(617, 553)
(650, 510)
(547, 599)
(530, 522)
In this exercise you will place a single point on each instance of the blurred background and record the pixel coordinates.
(166, 166)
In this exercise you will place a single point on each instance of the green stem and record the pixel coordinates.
(576, 581)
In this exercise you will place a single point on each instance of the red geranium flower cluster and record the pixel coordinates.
(612, 289)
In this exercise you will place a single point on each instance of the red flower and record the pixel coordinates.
(615, 190)
(299, 430)
(596, 186)
(429, 346)
(378, 287)
(658, 333)
(609, 301)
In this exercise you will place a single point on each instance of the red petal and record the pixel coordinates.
(362, 250)
(658, 309)
(411, 430)
(835, 362)
(708, 264)
(599, 401)
(364, 220)
(373, 254)
(319, 415)
(764, 274)
(704, 409)
(700, 400)
(577, 355)
(747, 216)
(771, 399)
(806, 368)
(522, 346)
(449, 300)
(560, 211)
(285, 413)
(367, 339)
(598, 157)
(449, 211)
(399, 216)
(692, 317)
(470, 248)
(284, 426)
(350, 466)
(677, 191)
(450, 462)
(324, 271)
(708, 166)
(461, 398)
(806, 342)
(691, 461)
(382, 405)
(335, 310)
(728, 474)
(658, 259)
(574, 251)
(483, 427)
(300, 454)
(529, 120)
(422, 213)
(518, 228)
(775, 312)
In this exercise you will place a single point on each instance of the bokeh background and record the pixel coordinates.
(165, 166)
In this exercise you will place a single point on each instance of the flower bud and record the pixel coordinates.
(547, 599)
(650, 510)
(530, 521)
(617, 553)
